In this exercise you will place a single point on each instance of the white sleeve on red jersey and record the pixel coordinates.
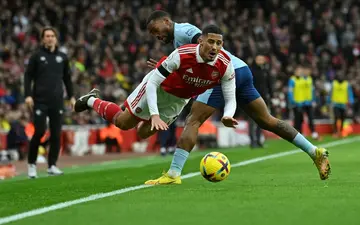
(228, 87)
(152, 85)
(169, 65)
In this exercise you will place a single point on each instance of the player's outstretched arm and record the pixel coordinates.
(228, 88)
(151, 96)
(151, 91)
(169, 65)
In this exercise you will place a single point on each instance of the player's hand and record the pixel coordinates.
(29, 101)
(151, 63)
(157, 123)
(229, 121)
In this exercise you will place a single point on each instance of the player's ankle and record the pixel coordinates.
(173, 173)
(91, 101)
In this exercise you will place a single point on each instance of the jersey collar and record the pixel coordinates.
(200, 60)
(47, 50)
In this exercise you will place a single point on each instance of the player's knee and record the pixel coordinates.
(121, 124)
(194, 121)
(125, 121)
(39, 132)
(55, 136)
(264, 120)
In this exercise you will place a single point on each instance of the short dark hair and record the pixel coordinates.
(155, 15)
(46, 29)
(212, 29)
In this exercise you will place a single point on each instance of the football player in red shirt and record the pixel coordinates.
(188, 71)
(160, 25)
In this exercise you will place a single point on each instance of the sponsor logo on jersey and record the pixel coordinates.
(196, 81)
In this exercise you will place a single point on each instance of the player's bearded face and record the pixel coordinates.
(161, 29)
(210, 46)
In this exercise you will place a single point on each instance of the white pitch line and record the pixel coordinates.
(94, 197)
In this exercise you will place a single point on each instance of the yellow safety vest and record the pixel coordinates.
(340, 92)
(302, 89)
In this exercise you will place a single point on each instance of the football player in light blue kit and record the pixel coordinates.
(160, 25)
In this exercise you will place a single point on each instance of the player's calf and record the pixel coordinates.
(109, 111)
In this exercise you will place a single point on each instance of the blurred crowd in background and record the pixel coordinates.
(108, 45)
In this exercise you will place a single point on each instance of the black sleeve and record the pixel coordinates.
(29, 75)
(67, 79)
(194, 40)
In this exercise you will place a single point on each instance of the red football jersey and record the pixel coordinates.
(190, 75)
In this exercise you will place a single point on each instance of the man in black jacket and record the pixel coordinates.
(48, 69)
(263, 84)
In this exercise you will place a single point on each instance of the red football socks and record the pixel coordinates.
(106, 110)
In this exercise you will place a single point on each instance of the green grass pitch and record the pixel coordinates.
(279, 191)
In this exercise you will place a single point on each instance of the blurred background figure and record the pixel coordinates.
(167, 140)
(341, 97)
(17, 138)
(301, 95)
(207, 137)
(264, 85)
(47, 72)
(4, 122)
(111, 137)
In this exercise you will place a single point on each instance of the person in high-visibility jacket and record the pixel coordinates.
(301, 95)
(341, 96)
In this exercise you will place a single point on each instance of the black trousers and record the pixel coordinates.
(339, 113)
(254, 132)
(40, 113)
(299, 117)
(167, 138)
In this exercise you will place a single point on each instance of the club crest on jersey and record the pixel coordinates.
(215, 74)
(59, 59)
(138, 110)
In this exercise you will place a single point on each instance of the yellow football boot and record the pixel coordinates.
(322, 163)
(164, 179)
